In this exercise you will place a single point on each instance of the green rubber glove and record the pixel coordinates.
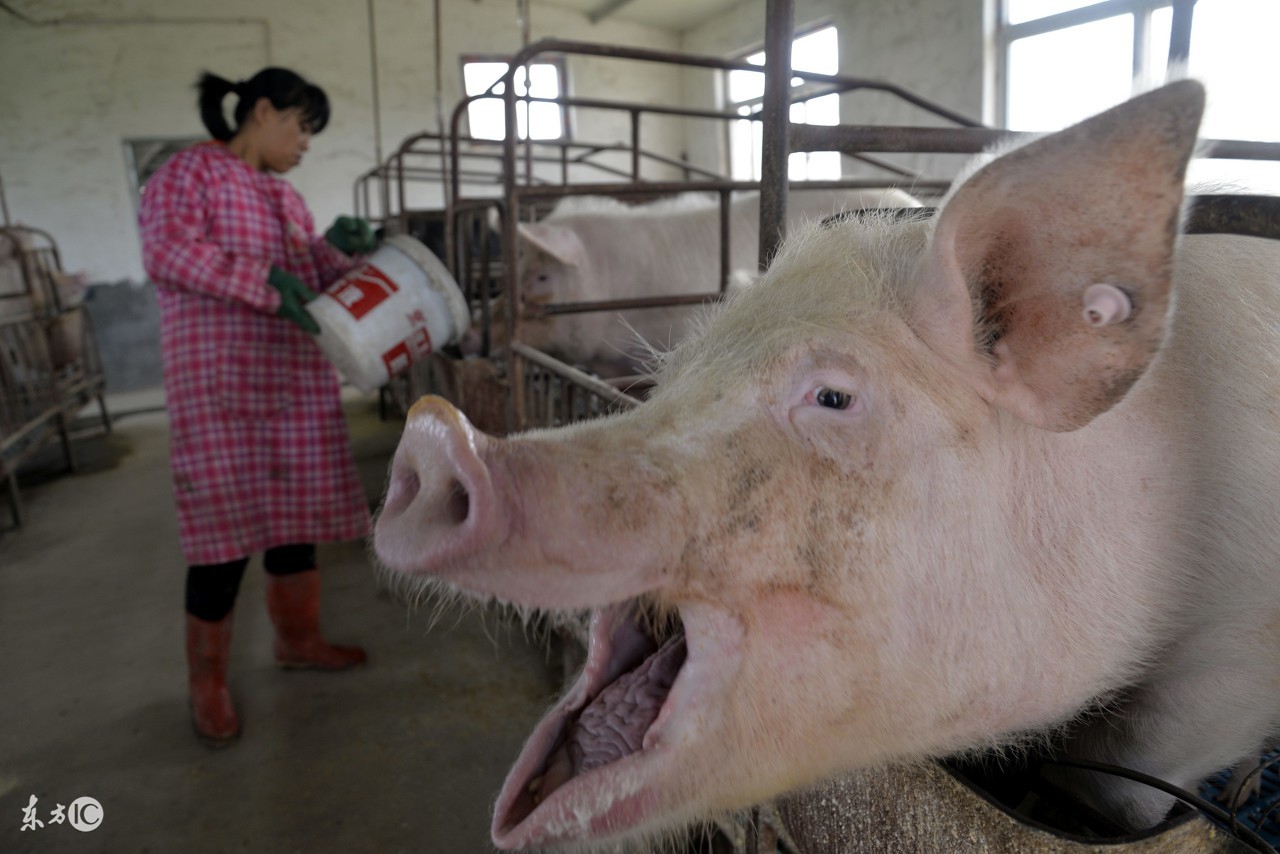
(352, 235)
(293, 296)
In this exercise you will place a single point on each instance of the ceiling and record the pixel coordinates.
(676, 15)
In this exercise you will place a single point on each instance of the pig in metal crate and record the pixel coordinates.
(49, 364)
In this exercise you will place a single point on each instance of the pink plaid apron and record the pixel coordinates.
(258, 441)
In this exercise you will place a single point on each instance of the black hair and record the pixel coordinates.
(283, 88)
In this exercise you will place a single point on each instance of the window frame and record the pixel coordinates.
(554, 59)
(741, 56)
(1006, 34)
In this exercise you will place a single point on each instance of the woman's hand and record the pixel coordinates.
(294, 295)
(352, 235)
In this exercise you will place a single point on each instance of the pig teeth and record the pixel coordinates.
(534, 785)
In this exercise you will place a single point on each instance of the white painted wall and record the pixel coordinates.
(73, 93)
(934, 48)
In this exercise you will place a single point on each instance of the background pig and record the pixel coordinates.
(596, 248)
(926, 487)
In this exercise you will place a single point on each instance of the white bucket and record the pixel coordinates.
(391, 311)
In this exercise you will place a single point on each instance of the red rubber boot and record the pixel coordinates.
(293, 601)
(208, 653)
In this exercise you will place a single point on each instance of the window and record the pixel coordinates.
(534, 120)
(1063, 60)
(144, 156)
(817, 51)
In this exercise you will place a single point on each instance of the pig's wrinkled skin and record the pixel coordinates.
(908, 500)
(599, 249)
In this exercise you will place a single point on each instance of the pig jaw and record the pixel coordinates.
(646, 788)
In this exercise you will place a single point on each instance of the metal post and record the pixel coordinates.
(725, 235)
(4, 204)
(776, 115)
(1180, 33)
(510, 257)
(635, 145)
(373, 68)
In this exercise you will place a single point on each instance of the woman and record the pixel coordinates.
(259, 448)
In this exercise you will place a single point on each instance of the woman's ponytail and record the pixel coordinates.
(213, 90)
(285, 90)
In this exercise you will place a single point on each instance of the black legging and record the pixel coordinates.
(212, 587)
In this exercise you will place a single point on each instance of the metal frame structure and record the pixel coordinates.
(1179, 43)
(46, 378)
(522, 190)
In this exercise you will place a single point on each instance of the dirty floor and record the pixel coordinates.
(405, 754)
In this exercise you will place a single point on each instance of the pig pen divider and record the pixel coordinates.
(49, 363)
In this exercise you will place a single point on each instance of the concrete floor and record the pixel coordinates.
(405, 754)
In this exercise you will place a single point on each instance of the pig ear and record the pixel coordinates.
(1061, 251)
(558, 241)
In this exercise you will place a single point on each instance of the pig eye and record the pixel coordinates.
(830, 398)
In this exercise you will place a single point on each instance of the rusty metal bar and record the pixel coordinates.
(855, 139)
(775, 113)
(635, 144)
(726, 198)
(659, 188)
(622, 304)
(592, 384)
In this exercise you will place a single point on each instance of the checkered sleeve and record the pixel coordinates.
(176, 250)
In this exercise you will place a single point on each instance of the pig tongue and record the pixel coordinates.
(613, 726)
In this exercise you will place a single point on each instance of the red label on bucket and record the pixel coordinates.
(399, 357)
(363, 290)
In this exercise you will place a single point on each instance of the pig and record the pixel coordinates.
(1006, 476)
(596, 248)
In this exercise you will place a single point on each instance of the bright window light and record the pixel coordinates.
(817, 52)
(1063, 76)
(1232, 52)
(485, 116)
(1058, 77)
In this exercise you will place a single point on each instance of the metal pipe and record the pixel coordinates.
(621, 304)
(373, 67)
(696, 61)
(4, 204)
(665, 188)
(510, 259)
(726, 198)
(1180, 33)
(635, 144)
(592, 384)
(444, 161)
(775, 113)
(856, 139)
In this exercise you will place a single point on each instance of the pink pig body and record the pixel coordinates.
(905, 498)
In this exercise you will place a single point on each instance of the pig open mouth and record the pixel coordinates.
(599, 736)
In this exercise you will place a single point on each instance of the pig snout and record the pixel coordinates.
(440, 500)
(530, 521)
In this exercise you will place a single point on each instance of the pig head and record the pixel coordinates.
(910, 494)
